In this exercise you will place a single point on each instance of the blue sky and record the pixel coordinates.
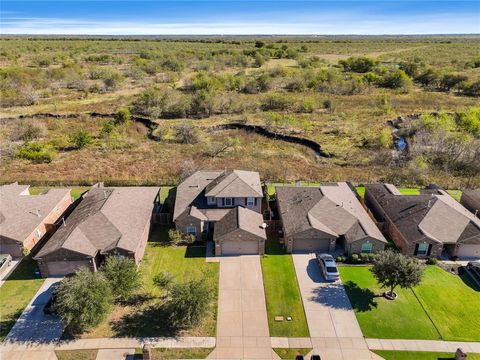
(239, 17)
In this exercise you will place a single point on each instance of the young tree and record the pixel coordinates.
(122, 275)
(83, 300)
(122, 116)
(392, 269)
(81, 138)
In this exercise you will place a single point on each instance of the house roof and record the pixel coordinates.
(21, 213)
(474, 195)
(240, 218)
(105, 219)
(194, 190)
(332, 209)
(433, 214)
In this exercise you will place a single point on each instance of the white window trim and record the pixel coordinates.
(194, 232)
(211, 200)
(423, 252)
(250, 201)
(231, 201)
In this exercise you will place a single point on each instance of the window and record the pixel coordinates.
(211, 200)
(228, 202)
(250, 201)
(367, 247)
(192, 230)
(422, 249)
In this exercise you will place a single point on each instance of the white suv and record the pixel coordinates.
(328, 267)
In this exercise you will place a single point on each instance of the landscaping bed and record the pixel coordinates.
(282, 293)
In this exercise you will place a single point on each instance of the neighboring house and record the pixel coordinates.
(25, 218)
(225, 206)
(107, 221)
(317, 219)
(471, 200)
(423, 225)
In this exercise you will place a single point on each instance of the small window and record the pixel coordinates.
(422, 249)
(228, 202)
(211, 200)
(192, 230)
(367, 247)
(250, 201)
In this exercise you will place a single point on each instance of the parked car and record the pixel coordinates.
(315, 357)
(5, 261)
(328, 267)
(299, 357)
(474, 264)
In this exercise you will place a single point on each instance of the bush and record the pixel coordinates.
(358, 65)
(363, 258)
(36, 152)
(396, 79)
(277, 102)
(83, 300)
(163, 279)
(122, 275)
(27, 131)
(81, 138)
(122, 116)
(186, 134)
(340, 259)
(354, 259)
(432, 261)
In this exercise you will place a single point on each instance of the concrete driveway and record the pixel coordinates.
(332, 323)
(242, 326)
(33, 326)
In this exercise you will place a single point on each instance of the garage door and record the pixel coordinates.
(469, 250)
(309, 245)
(56, 268)
(239, 247)
(12, 249)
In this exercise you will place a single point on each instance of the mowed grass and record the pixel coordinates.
(403, 318)
(282, 293)
(292, 352)
(420, 355)
(172, 353)
(76, 354)
(76, 191)
(16, 293)
(456, 194)
(442, 306)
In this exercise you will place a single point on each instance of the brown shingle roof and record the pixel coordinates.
(105, 219)
(240, 218)
(21, 213)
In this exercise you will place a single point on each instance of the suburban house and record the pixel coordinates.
(423, 225)
(107, 221)
(471, 200)
(321, 219)
(224, 206)
(25, 218)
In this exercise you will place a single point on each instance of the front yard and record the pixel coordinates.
(282, 293)
(16, 293)
(142, 317)
(420, 355)
(441, 307)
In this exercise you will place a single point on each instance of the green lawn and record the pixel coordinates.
(456, 194)
(420, 355)
(282, 293)
(174, 353)
(76, 191)
(291, 353)
(16, 293)
(443, 304)
(271, 186)
(76, 354)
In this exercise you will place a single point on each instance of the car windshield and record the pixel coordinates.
(331, 269)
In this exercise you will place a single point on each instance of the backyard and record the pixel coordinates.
(282, 293)
(436, 309)
(136, 317)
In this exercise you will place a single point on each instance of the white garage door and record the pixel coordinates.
(469, 251)
(239, 247)
(12, 249)
(309, 245)
(56, 268)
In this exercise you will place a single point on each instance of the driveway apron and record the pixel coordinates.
(242, 326)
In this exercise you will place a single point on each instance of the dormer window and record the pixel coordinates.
(228, 202)
(211, 200)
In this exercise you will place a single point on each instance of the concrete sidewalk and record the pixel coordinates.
(422, 345)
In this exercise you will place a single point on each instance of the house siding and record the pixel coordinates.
(242, 202)
(356, 246)
(470, 204)
(184, 221)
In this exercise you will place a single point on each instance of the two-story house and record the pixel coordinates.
(225, 206)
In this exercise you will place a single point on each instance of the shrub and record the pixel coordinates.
(449, 81)
(363, 258)
(186, 134)
(36, 152)
(432, 261)
(277, 102)
(470, 121)
(83, 300)
(354, 259)
(340, 259)
(385, 138)
(163, 279)
(122, 275)
(358, 65)
(396, 79)
(176, 237)
(27, 131)
(81, 138)
(122, 116)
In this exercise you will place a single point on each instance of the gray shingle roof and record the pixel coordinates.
(240, 218)
(332, 209)
(433, 213)
(21, 213)
(105, 219)
(193, 190)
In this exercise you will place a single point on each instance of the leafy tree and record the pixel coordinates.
(122, 275)
(122, 116)
(81, 138)
(392, 269)
(358, 64)
(188, 302)
(83, 300)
